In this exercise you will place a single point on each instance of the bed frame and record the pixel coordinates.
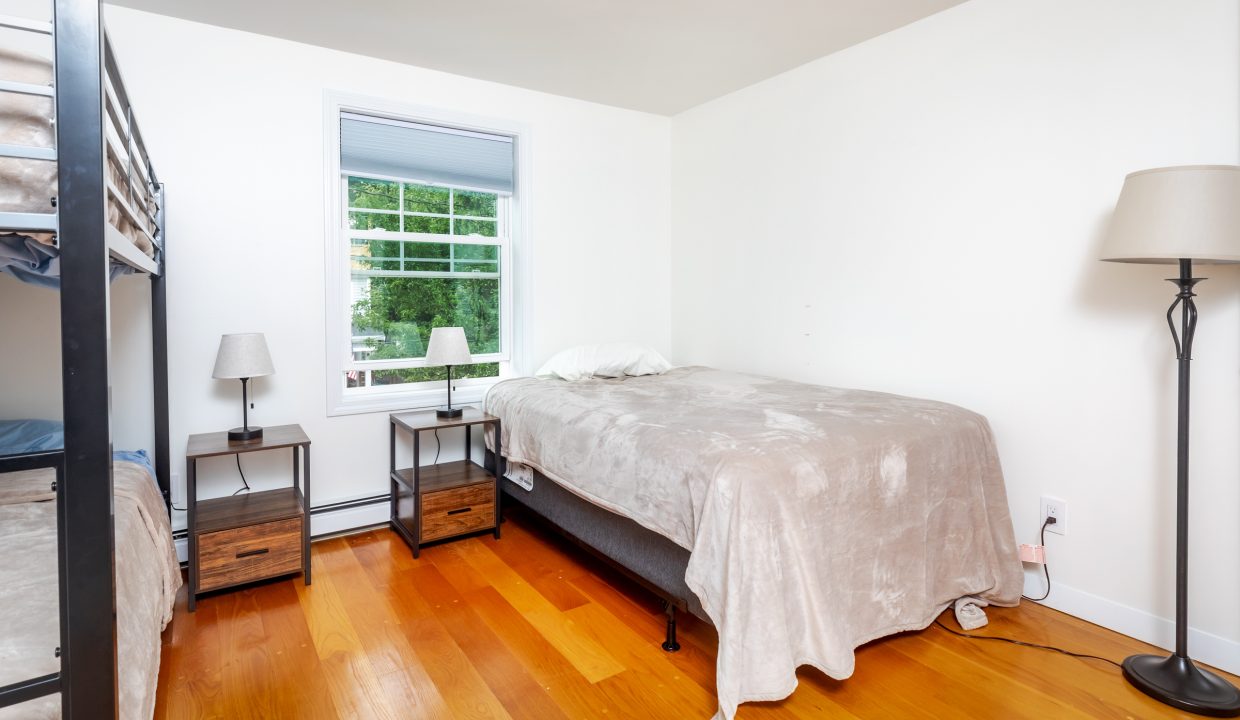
(88, 93)
(644, 556)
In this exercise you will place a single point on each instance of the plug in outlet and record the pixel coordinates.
(1058, 509)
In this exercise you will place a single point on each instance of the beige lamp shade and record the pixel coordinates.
(448, 346)
(1167, 214)
(243, 355)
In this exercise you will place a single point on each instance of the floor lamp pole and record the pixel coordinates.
(1176, 680)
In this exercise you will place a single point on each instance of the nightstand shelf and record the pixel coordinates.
(252, 508)
(444, 500)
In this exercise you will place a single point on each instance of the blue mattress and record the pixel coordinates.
(27, 436)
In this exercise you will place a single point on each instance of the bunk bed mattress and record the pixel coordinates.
(30, 186)
(147, 579)
(817, 518)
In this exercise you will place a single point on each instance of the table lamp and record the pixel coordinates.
(243, 356)
(1180, 215)
(449, 347)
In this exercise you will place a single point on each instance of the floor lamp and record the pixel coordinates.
(1178, 216)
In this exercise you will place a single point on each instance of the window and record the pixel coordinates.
(423, 239)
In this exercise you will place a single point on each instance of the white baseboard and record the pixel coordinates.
(327, 522)
(1220, 652)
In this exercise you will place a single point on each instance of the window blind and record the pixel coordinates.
(426, 153)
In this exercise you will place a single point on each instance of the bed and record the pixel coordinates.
(78, 194)
(809, 520)
(147, 579)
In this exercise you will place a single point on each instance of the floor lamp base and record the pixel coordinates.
(1178, 682)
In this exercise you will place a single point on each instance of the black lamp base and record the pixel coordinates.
(1178, 682)
(449, 412)
(245, 434)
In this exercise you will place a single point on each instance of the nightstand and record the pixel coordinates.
(448, 499)
(253, 536)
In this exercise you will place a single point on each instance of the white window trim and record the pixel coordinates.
(336, 272)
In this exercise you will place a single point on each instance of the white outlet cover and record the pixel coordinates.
(1057, 507)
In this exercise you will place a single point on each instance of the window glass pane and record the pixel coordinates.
(383, 248)
(427, 250)
(417, 223)
(476, 267)
(374, 194)
(478, 204)
(475, 252)
(373, 221)
(365, 263)
(485, 228)
(393, 316)
(428, 266)
(424, 198)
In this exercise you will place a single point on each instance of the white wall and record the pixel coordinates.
(921, 214)
(234, 122)
(30, 355)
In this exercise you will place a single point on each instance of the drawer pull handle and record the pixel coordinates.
(252, 553)
(458, 511)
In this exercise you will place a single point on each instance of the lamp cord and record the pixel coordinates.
(243, 480)
(436, 446)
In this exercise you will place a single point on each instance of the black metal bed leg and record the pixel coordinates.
(670, 644)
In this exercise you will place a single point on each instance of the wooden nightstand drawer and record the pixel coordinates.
(241, 555)
(457, 511)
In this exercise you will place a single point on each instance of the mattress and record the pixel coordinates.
(147, 579)
(817, 518)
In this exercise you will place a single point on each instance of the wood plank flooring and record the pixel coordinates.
(530, 627)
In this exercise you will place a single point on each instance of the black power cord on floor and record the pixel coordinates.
(1024, 643)
(1046, 568)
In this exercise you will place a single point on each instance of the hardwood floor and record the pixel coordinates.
(529, 627)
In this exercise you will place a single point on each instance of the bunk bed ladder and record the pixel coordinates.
(86, 527)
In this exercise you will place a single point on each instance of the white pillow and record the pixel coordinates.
(605, 360)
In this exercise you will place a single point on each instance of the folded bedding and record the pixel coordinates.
(817, 518)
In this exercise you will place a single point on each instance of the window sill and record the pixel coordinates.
(420, 399)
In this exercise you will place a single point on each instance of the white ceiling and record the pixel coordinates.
(660, 56)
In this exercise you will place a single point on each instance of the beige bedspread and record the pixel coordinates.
(147, 579)
(818, 518)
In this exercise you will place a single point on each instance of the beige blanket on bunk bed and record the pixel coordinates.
(818, 518)
(29, 186)
(147, 579)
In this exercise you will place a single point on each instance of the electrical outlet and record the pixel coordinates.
(177, 490)
(1058, 509)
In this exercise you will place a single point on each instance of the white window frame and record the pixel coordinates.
(514, 266)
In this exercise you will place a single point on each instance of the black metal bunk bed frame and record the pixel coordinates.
(88, 93)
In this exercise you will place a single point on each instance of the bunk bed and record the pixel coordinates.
(79, 194)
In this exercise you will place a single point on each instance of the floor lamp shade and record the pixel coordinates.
(448, 346)
(1168, 214)
(243, 356)
(1180, 215)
